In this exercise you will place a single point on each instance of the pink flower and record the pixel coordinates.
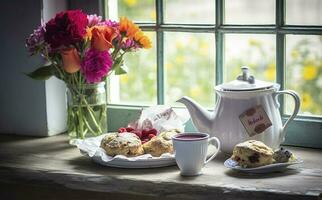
(35, 41)
(110, 23)
(129, 45)
(66, 29)
(96, 65)
(93, 20)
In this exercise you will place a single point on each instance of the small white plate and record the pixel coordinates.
(229, 163)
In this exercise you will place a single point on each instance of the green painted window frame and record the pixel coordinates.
(303, 131)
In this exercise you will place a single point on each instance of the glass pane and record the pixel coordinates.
(306, 12)
(188, 11)
(304, 72)
(250, 11)
(255, 51)
(137, 10)
(138, 86)
(190, 67)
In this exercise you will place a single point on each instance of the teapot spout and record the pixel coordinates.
(201, 118)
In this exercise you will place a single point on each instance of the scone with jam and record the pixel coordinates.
(127, 144)
(252, 153)
(160, 144)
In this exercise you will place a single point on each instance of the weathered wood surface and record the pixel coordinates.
(54, 167)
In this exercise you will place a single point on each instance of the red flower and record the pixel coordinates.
(67, 28)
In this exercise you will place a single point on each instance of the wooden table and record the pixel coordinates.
(49, 168)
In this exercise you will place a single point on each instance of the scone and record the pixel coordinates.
(160, 144)
(252, 153)
(283, 155)
(127, 144)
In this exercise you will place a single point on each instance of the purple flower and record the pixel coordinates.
(110, 23)
(129, 45)
(93, 20)
(96, 65)
(35, 42)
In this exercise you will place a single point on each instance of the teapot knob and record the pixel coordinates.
(245, 76)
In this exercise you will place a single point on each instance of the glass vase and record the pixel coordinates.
(86, 110)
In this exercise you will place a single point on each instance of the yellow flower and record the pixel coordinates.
(306, 100)
(195, 91)
(88, 35)
(270, 72)
(204, 49)
(179, 59)
(124, 78)
(179, 44)
(254, 42)
(130, 3)
(309, 72)
(295, 54)
(168, 66)
(153, 15)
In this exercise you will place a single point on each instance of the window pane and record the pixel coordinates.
(189, 65)
(190, 11)
(306, 12)
(137, 10)
(138, 86)
(250, 11)
(255, 51)
(304, 72)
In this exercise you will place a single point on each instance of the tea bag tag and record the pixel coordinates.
(255, 120)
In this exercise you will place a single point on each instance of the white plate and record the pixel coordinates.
(144, 161)
(120, 162)
(90, 148)
(229, 163)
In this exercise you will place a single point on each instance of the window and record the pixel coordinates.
(200, 45)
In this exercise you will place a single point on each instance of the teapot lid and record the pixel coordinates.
(246, 82)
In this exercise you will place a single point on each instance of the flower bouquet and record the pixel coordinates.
(83, 50)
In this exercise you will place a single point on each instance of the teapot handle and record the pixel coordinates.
(295, 111)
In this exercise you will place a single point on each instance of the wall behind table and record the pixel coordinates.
(23, 106)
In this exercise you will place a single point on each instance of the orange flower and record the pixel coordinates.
(101, 37)
(143, 40)
(71, 60)
(128, 28)
(132, 31)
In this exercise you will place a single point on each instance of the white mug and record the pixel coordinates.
(191, 151)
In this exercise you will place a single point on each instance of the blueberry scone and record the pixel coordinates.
(252, 153)
(283, 155)
(127, 144)
(160, 144)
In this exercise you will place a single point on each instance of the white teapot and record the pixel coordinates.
(246, 109)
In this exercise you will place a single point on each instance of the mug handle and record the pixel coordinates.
(297, 102)
(217, 145)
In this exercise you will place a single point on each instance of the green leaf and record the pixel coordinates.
(120, 70)
(42, 73)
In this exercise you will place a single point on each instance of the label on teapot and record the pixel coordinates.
(255, 120)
